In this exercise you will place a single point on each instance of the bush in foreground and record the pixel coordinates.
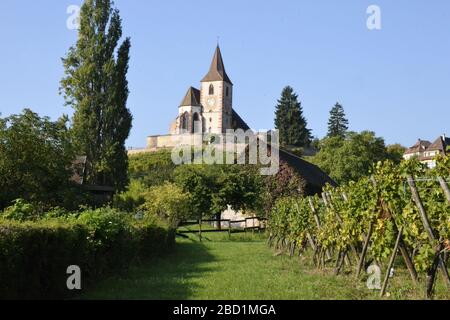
(35, 255)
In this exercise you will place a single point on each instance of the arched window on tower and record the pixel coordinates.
(211, 90)
(228, 91)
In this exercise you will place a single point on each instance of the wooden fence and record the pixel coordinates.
(257, 224)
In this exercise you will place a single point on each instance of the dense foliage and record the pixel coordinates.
(35, 255)
(351, 158)
(285, 183)
(168, 202)
(211, 188)
(385, 202)
(95, 85)
(151, 169)
(35, 160)
(395, 152)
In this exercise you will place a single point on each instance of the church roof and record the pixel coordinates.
(238, 122)
(192, 98)
(315, 178)
(217, 70)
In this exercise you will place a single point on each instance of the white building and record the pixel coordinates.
(426, 152)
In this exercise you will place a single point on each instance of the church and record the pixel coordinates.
(205, 110)
(209, 110)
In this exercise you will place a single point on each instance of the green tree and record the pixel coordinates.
(153, 168)
(131, 199)
(201, 182)
(240, 187)
(285, 183)
(95, 85)
(289, 120)
(169, 202)
(338, 123)
(351, 158)
(35, 159)
(215, 187)
(395, 152)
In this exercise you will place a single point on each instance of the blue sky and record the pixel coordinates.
(395, 81)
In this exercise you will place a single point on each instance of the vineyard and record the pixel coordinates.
(397, 211)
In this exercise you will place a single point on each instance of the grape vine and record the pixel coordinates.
(374, 208)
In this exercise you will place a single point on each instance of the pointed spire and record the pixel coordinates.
(192, 98)
(217, 70)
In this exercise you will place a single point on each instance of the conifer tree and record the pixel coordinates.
(289, 120)
(338, 123)
(96, 87)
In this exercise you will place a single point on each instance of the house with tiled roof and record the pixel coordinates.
(426, 152)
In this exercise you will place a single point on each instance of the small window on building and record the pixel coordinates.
(211, 90)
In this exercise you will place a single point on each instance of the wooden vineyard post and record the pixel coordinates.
(428, 229)
(313, 209)
(409, 263)
(200, 229)
(403, 250)
(391, 263)
(419, 204)
(445, 188)
(364, 251)
(229, 229)
(317, 219)
(311, 241)
(340, 261)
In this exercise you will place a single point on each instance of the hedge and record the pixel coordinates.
(34, 256)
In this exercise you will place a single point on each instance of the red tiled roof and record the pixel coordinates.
(420, 146)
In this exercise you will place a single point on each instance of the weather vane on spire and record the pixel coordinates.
(218, 40)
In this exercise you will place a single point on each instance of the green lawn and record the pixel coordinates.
(243, 268)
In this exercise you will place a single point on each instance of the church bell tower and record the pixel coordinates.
(216, 97)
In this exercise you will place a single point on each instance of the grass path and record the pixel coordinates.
(225, 270)
(240, 269)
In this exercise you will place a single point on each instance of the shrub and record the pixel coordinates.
(131, 199)
(34, 258)
(168, 202)
(111, 236)
(20, 211)
(35, 255)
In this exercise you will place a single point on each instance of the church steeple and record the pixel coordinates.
(217, 70)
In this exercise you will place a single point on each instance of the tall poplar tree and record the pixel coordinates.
(289, 120)
(338, 123)
(96, 87)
